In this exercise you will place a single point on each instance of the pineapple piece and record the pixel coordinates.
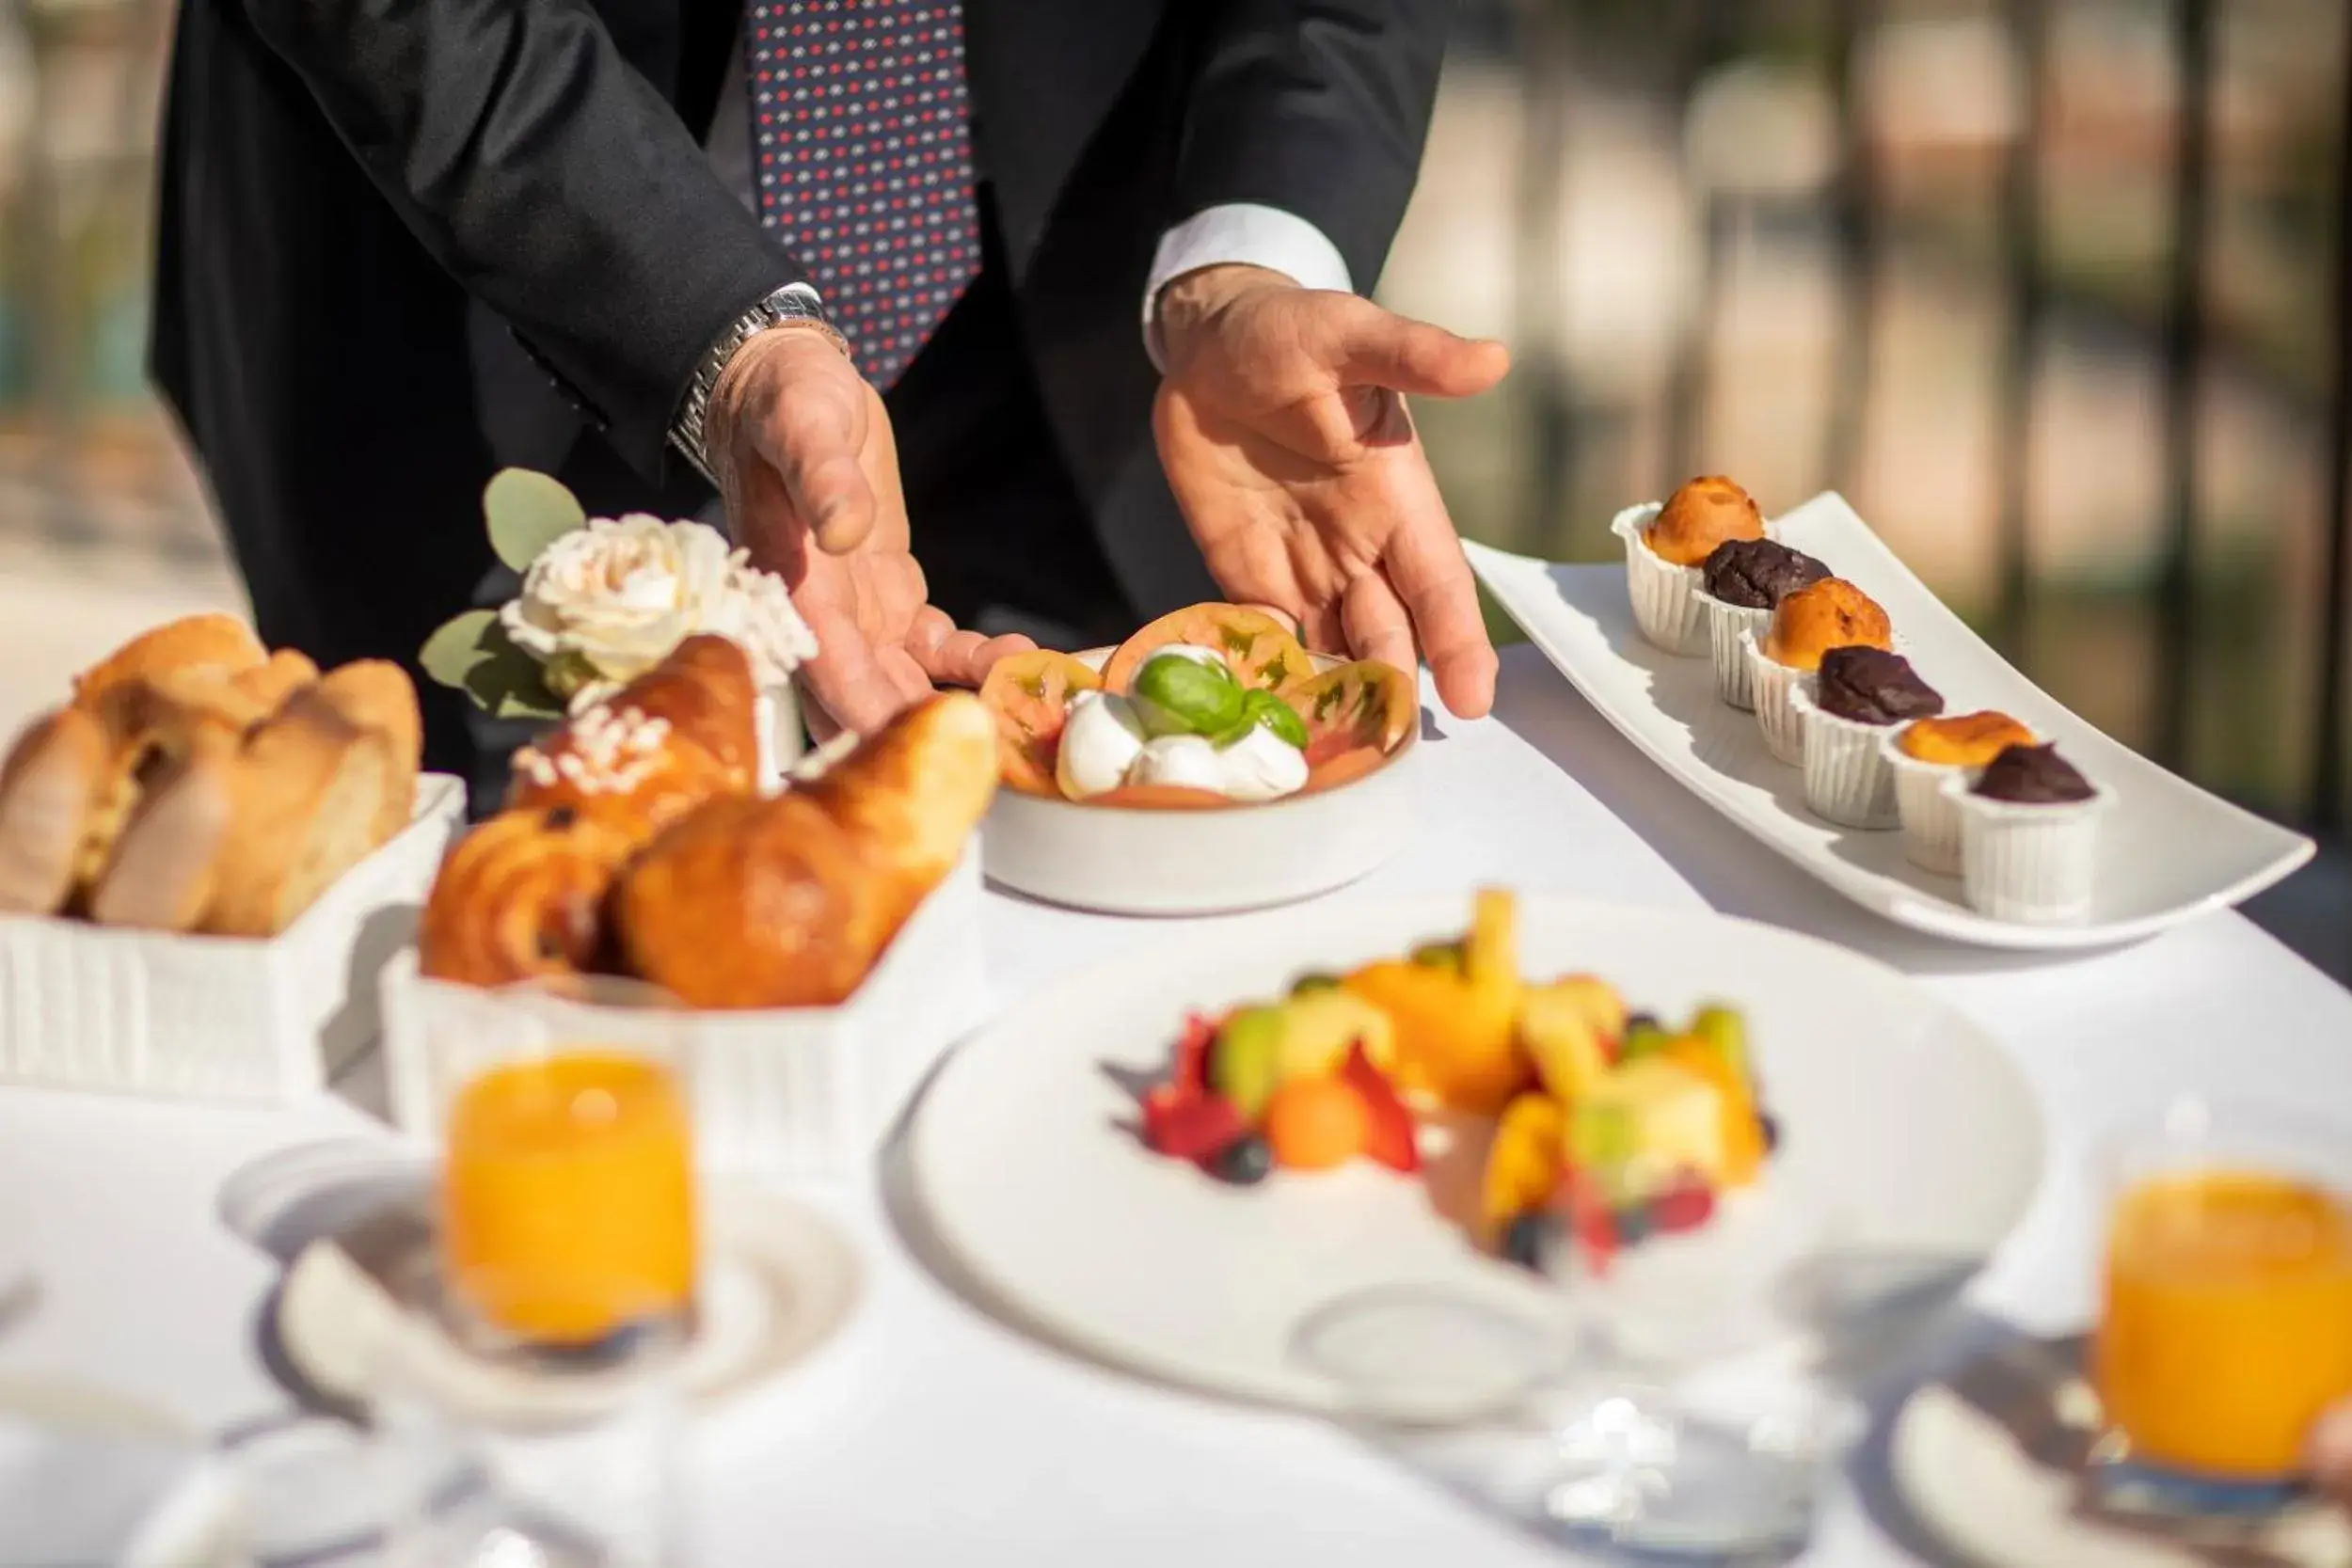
(1318, 1026)
(1602, 1005)
(1639, 1125)
(1556, 1025)
(1523, 1162)
(1490, 952)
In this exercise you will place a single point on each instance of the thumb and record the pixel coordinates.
(810, 430)
(2331, 1453)
(1380, 348)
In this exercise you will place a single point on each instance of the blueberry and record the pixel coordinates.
(1527, 1240)
(1640, 1021)
(1770, 1126)
(1635, 1225)
(1242, 1163)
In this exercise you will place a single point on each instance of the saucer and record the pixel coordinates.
(1991, 1460)
(777, 1282)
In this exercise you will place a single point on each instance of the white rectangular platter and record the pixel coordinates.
(2168, 851)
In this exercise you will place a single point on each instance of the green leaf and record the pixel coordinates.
(473, 654)
(527, 512)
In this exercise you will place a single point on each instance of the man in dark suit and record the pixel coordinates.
(403, 242)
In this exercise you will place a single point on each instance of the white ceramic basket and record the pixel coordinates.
(219, 1018)
(797, 1092)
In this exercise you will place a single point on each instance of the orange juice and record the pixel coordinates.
(567, 1196)
(2227, 1322)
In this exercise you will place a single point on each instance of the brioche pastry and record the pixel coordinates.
(681, 734)
(521, 897)
(49, 788)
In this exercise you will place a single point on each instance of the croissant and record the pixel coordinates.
(520, 897)
(679, 734)
(790, 902)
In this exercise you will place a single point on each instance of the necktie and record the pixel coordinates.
(862, 136)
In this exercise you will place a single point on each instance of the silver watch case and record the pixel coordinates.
(794, 302)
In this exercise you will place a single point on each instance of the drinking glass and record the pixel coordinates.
(566, 1206)
(1670, 1407)
(2225, 1325)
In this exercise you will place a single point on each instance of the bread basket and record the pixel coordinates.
(219, 1018)
(792, 1092)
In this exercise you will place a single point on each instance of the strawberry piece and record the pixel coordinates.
(1190, 1127)
(1389, 1138)
(1685, 1206)
(1189, 1067)
(1589, 1219)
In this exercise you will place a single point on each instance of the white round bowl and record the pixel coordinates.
(1126, 860)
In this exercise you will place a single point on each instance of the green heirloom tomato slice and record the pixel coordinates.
(1366, 703)
(1258, 649)
(1029, 694)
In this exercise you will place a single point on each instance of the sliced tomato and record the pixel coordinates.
(1029, 693)
(1366, 703)
(1159, 797)
(1260, 648)
(1344, 769)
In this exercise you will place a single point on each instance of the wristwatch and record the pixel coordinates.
(795, 304)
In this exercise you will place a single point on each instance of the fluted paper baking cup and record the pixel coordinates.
(1771, 682)
(1725, 625)
(1665, 595)
(1846, 778)
(1931, 823)
(2035, 864)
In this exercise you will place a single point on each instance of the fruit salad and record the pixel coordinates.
(1609, 1126)
(1208, 706)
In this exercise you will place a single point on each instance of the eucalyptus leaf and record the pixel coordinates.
(527, 512)
(473, 654)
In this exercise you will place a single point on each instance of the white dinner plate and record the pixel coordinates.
(1122, 860)
(2168, 851)
(1896, 1112)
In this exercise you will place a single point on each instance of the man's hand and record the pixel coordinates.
(1290, 449)
(2332, 1454)
(810, 473)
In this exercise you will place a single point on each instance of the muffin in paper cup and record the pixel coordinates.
(1930, 822)
(2032, 863)
(1726, 625)
(1665, 595)
(1846, 777)
(1771, 681)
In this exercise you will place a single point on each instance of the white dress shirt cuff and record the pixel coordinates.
(1245, 233)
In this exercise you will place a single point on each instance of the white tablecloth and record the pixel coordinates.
(928, 1433)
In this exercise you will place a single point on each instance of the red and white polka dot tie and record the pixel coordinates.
(862, 133)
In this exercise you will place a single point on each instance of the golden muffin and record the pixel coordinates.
(1702, 515)
(1832, 613)
(1963, 740)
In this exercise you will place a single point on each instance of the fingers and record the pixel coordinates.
(1377, 625)
(1377, 347)
(1426, 564)
(855, 682)
(951, 657)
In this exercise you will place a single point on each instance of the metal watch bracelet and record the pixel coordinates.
(793, 304)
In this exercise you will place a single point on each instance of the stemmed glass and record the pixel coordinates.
(1671, 1406)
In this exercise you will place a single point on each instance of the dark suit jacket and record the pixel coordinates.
(352, 189)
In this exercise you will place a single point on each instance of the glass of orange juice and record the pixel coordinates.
(566, 1201)
(2225, 1326)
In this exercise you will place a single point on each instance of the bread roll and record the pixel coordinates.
(163, 867)
(218, 644)
(153, 722)
(521, 897)
(680, 735)
(49, 789)
(374, 694)
(286, 672)
(309, 790)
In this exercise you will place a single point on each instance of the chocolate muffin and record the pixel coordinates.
(1871, 686)
(2032, 776)
(1757, 574)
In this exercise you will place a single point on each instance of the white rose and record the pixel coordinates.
(604, 604)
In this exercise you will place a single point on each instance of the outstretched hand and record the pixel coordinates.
(810, 473)
(1286, 439)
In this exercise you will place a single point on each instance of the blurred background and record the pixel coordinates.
(2052, 291)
